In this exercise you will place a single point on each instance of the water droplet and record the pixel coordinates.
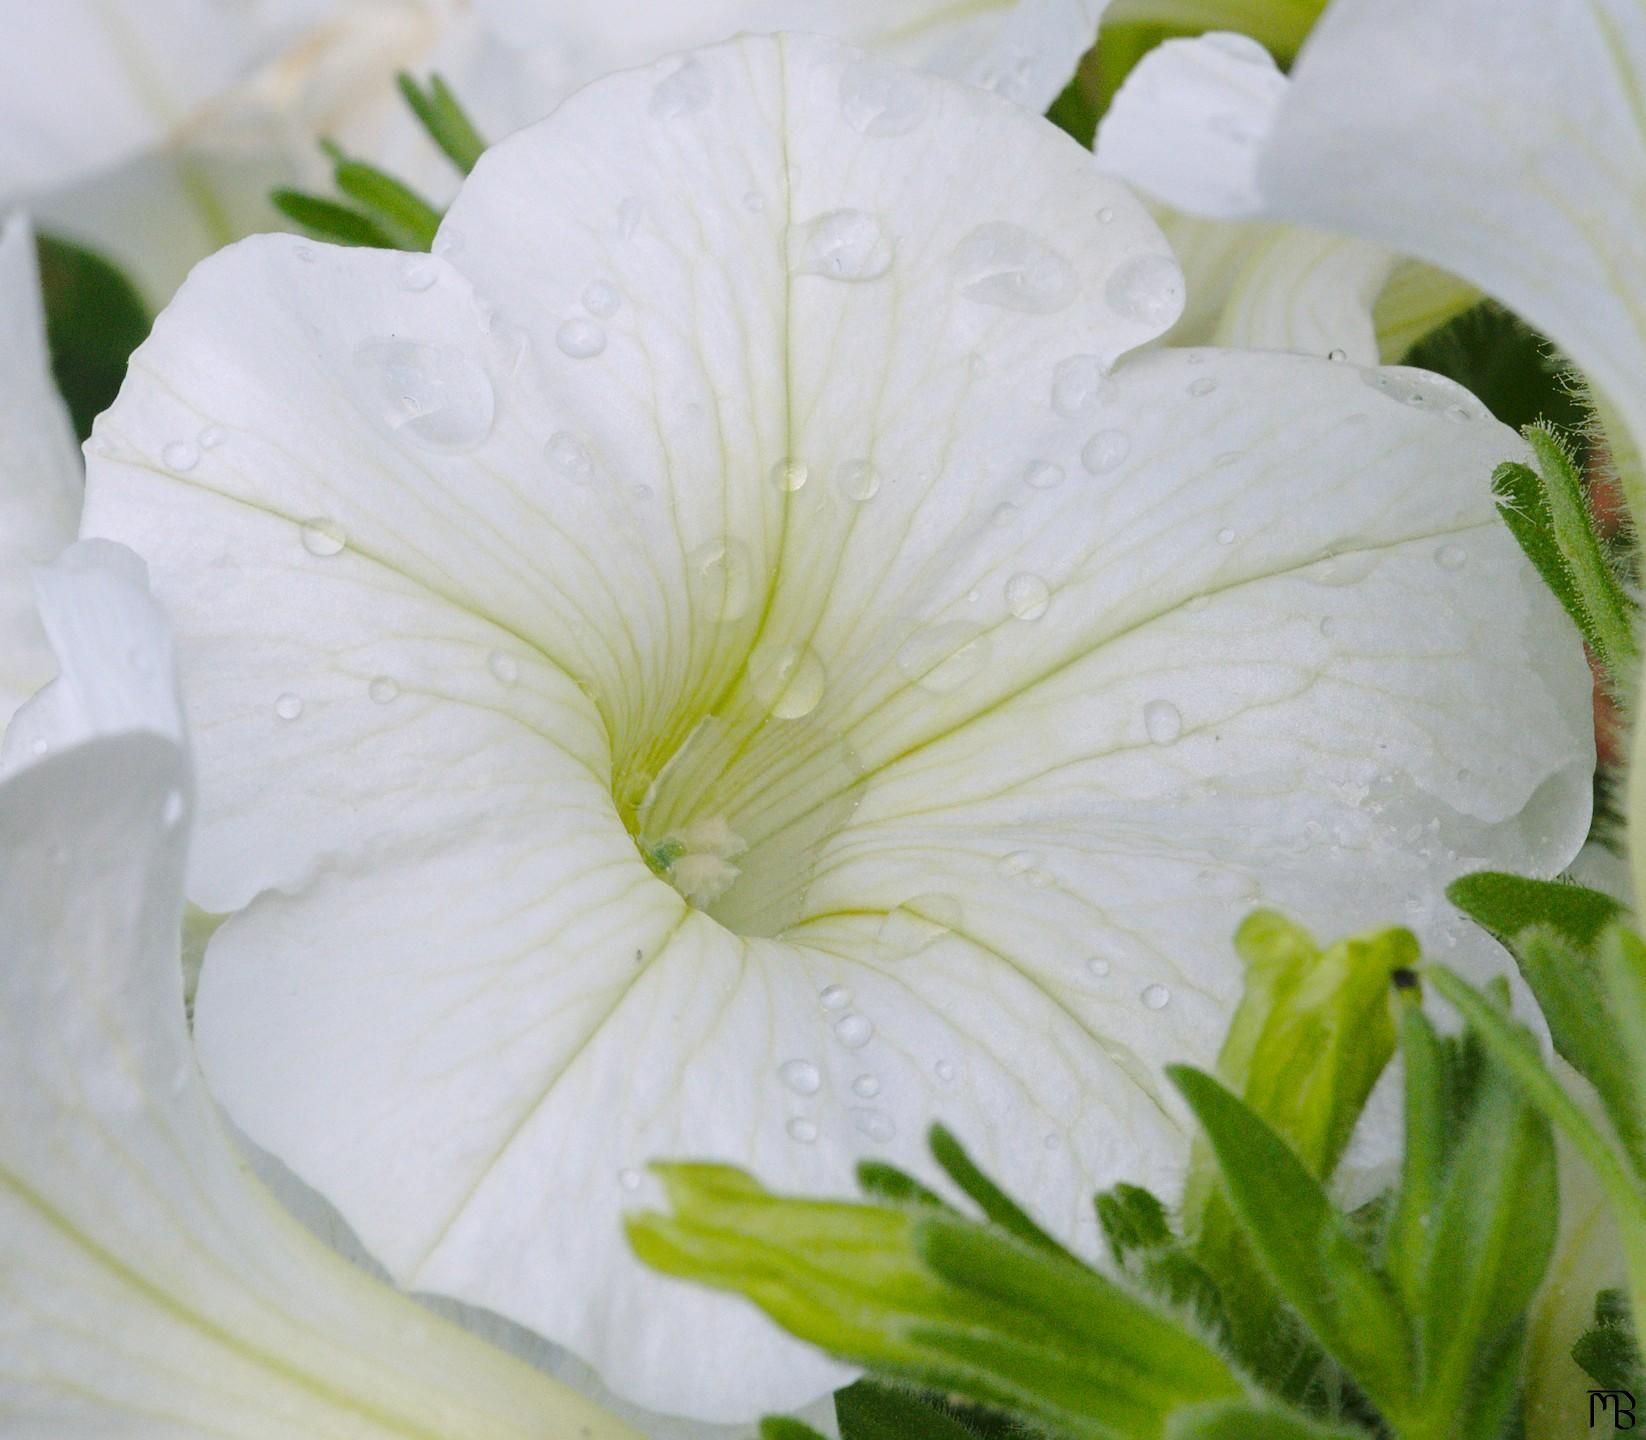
(845, 245)
(1156, 997)
(304, 253)
(1098, 966)
(1328, 626)
(1458, 413)
(289, 706)
(629, 215)
(570, 457)
(1147, 289)
(322, 537)
(788, 680)
(602, 299)
(790, 474)
(1105, 451)
(1203, 386)
(171, 809)
(1007, 266)
(802, 1129)
(505, 669)
(1078, 384)
(857, 480)
(1018, 862)
(383, 690)
(685, 92)
(1043, 475)
(212, 436)
(1451, 557)
(881, 99)
(876, 1124)
(448, 242)
(866, 1087)
(834, 997)
(1227, 458)
(581, 339)
(722, 579)
(417, 273)
(944, 657)
(431, 393)
(754, 202)
(1003, 514)
(801, 1076)
(945, 1071)
(629, 1179)
(1163, 721)
(1337, 356)
(39, 745)
(1027, 596)
(1225, 536)
(854, 1031)
(1105, 216)
(181, 456)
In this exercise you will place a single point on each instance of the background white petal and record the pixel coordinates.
(744, 476)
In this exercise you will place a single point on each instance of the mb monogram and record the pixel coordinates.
(1618, 1406)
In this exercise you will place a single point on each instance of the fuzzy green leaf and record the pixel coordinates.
(1250, 1421)
(867, 1411)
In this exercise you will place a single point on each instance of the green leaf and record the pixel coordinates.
(1143, 1245)
(1251, 1421)
(331, 221)
(990, 1198)
(94, 320)
(392, 204)
(1548, 512)
(1430, 1103)
(880, 1181)
(448, 125)
(867, 1411)
(1505, 905)
(783, 1427)
(1608, 1354)
(1306, 1250)
(1621, 959)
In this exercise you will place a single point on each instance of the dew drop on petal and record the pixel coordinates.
(854, 1031)
(1078, 384)
(1018, 862)
(630, 213)
(629, 1179)
(602, 299)
(754, 202)
(944, 657)
(504, 668)
(722, 579)
(1451, 557)
(1105, 451)
(1003, 514)
(802, 1130)
(866, 1087)
(788, 681)
(1027, 596)
(945, 1071)
(685, 91)
(323, 537)
(1203, 386)
(180, 456)
(568, 456)
(288, 706)
(1098, 966)
(1012, 268)
(1328, 626)
(880, 99)
(876, 1124)
(834, 997)
(171, 810)
(1147, 289)
(845, 245)
(1156, 997)
(1337, 356)
(790, 474)
(383, 690)
(1163, 721)
(1043, 475)
(417, 273)
(801, 1076)
(581, 339)
(212, 436)
(1225, 536)
(429, 393)
(857, 480)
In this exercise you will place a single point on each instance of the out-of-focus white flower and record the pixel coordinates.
(40, 472)
(153, 130)
(148, 1286)
(746, 496)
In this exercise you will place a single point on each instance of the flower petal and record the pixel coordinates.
(146, 1283)
(743, 490)
(40, 474)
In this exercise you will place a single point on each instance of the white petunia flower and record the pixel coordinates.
(153, 130)
(148, 1286)
(40, 472)
(748, 497)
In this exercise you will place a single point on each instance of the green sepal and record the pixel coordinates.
(392, 204)
(786, 1427)
(1251, 1421)
(445, 120)
(1505, 905)
(330, 220)
(867, 1411)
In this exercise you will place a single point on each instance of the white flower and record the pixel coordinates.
(40, 472)
(153, 130)
(750, 497)
(148, 1285)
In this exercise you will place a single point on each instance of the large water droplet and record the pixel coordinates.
(876, 1124)
(1147, 289)
(602, 299)
(569, 457)
(431, 393)
(944, 657)
(788, 680)
(790, 474)
(1078, 384)
(1106, 451)
(722, 579)
(581, 339)
(854, 1031)
(322, 537)
(180, 456)
(801, 1076)
(685, 92)
(1163, 721)
(1005, 265)
(845, 245)
(1156, 997)
(1027, 596)
(857, 480)
(881, 99)
(289, 706)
